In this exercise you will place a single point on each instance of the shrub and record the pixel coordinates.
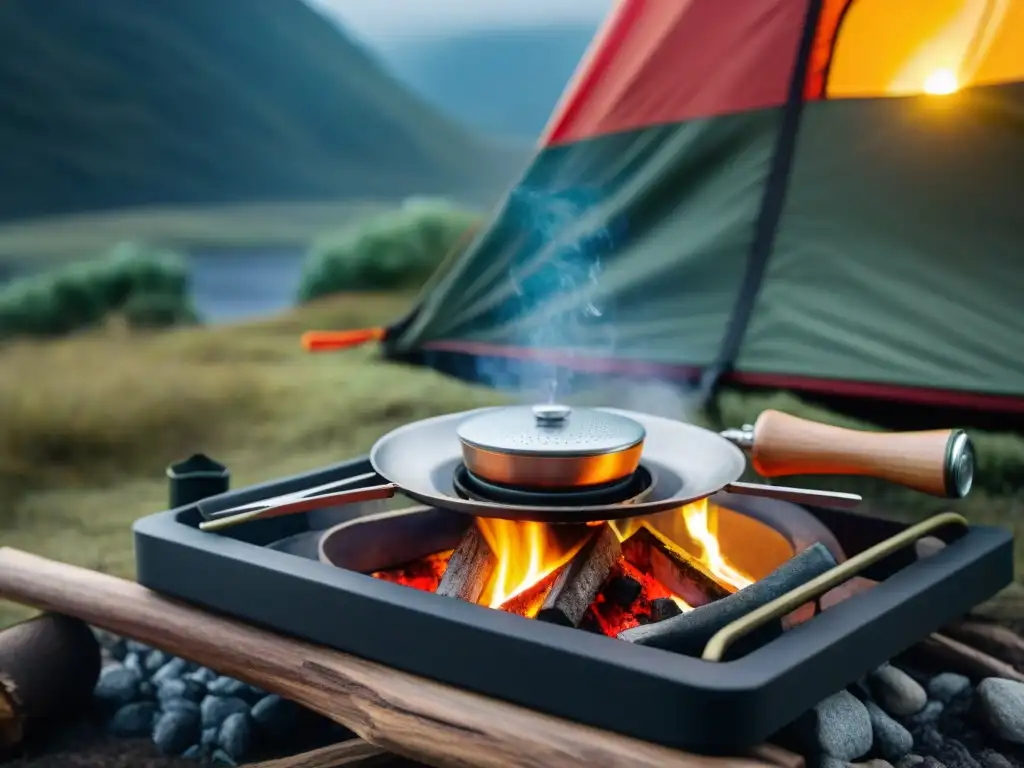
(399, 249)
(141, 282)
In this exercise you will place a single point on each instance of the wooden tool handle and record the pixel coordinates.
(938, 462)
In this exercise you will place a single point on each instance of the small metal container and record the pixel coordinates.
(551, 446)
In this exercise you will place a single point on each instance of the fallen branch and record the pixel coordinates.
(354, 753)
(961, 658)
(994, 639)
(399, 712)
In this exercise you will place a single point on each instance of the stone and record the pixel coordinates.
(275, 715)
(133, 720)
(989, 758)
(216, 709)
(909, 761)
(1001, 705)
(209, 737)
(873, 763)
(146, 690)
(227, 686)
(175, 732)
(117, 685)
(832, 762)
(897, 692)
(220, 757)
(134, 662)
(930, 714)
(180, 705)
(203, 676)
(838, 726)
(134, 646)
(891, 740)
(116, 647)
(235, 735)
(180, 688)
(929, 739)
(955, 755)
(172, 670)
(153, 661)
(195, 752)
(932, 762)
(946, 686)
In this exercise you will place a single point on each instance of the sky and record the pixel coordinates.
(380, 20)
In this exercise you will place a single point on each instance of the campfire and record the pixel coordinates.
(607, 577)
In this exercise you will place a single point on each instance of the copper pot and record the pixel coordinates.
(551, 446)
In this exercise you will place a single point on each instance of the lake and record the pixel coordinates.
(232, 286)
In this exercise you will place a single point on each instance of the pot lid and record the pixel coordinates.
(550, 430)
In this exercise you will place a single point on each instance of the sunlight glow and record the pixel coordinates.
(941, 82)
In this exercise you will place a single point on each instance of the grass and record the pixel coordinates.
(91, 422)
(45, 241)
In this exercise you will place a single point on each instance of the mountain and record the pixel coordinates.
(504, 82)
(118, 103)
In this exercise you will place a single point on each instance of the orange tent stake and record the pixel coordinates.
(328, 341)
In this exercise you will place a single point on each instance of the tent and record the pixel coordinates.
(815, 195)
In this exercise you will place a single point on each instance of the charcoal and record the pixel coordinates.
(676, 570)
(623, 590)
(664, 608)
(469, 568)
(689, 632)
(578, 582)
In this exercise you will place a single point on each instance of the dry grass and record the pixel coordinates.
(89, 424)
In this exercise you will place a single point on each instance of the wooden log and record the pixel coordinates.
(469, 569)
(954, 656)
(579, 582)
(354, 753)
(689, 632)
(401, 713)
(48, 669)
(994, 639)
(529, 601)
(675, 569)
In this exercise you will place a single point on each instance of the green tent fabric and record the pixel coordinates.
(741, 192)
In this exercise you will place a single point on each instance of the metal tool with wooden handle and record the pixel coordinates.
(939, 462)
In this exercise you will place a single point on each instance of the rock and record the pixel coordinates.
(896, 691)
(203, 676)
(133, 720)
(1001, 704)
(153, 661)
(275, 715)
(209, 737)
(989, 758)
(947, 685)
(234, 736)
(874, 763)
(175, 732)
(932, 762)
(216, 709)
(891, 740)
(172, 670)
(929, 740)
(910, 761)
(116, 647)
(195, 752)
(134, 662)
(227, 686)
(117, 685)
(930, 714)
(181, 689)
(146, 690)
(220, 757)
(134, 646)
(832, 762)
(838, 726)
(180, 705)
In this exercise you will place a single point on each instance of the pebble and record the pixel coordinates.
(274, 714)
(203, 676)
(180, 705)
(909, 761)
(133, 720)
(227, 686)
(195, 752)
(175, 732)
(874, 763)
(117, 685)
(838, 726)
(896, 691)
(220, 757)
(947, 686)
(1001, 703)
(234, 736)
(172, 670)
(932, 711)
(209, 737)
(181, 689)
(216, 709)
(153, 661)
(932, 762)
(134, 646)
(134, 662)
(891, 740)
(989, 758)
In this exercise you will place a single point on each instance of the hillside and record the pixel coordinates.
(123, 103)
(503, 82)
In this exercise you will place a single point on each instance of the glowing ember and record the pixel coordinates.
(424, 573)
(527, 554)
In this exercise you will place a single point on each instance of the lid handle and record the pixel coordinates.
(551, 415)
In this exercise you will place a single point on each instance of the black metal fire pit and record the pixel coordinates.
(710, 704)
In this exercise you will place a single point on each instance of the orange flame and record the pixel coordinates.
(527, 554)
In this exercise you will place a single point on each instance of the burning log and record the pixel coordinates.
(689, 632)
(676, 570)
(48, 669)
(578, 582)
(469, 568)
(529, 601)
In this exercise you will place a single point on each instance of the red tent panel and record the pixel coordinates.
(666, 61)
